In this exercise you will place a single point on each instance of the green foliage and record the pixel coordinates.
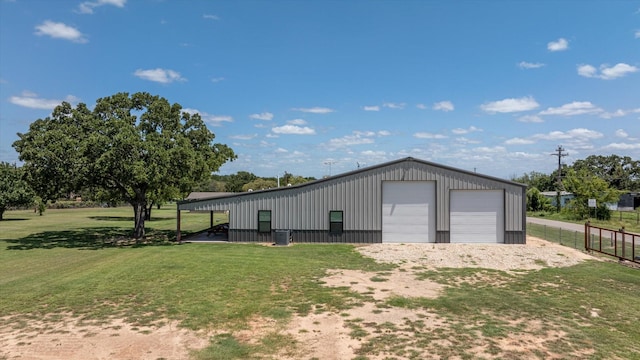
(40, 204)
(620, 172)
(139, 149)
(585, 186)
(538, 180)
(259, 184)
(14, 191)
(537, 202)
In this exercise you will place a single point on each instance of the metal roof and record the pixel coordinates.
(361, 170)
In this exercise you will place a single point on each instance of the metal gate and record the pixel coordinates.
(617, 243)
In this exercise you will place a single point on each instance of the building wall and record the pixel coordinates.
(305, 209)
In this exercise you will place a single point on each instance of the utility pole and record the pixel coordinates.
(560, 154)
(329, 162)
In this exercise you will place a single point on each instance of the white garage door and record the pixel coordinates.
(408, 211)
(477, 216)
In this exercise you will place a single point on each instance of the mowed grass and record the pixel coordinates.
(63, 263)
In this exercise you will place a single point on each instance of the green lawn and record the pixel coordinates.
(63, 262)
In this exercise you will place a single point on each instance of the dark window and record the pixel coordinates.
(336, 222)
(264, 221)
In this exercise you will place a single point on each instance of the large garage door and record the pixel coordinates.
(408, 211)
(477, 216)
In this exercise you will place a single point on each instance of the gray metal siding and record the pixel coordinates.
(359, 196)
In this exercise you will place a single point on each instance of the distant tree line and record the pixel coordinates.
(603, 178)
(244, 181)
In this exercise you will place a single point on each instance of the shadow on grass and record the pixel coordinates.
(15, 219)
(90, 239)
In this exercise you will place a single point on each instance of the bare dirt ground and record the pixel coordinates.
(322, 334)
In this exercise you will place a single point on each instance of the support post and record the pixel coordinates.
(587, 231)
(178, 235)
(624, 245)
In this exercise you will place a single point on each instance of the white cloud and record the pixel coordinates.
(528, 65)
(621, 133)
(293, 130)
(213, 120)
(315, 110)
(530, 119)
(637, 34)
(297, 122)
(364, 133)
(371, 108)
(372, 153)
(427, 135)
(460, 131)
(491, 150)
(210, 17)
(217, 80)
(88, 6)
(60, 31)
(623, 146)
(519, 141)
(510, 105)
(617, 113)
(580, 134)
(421, 106)
(244, 137)
(384, 133)
(163, 76)
(394, 105)
(572, 109)
(587, 70)
(443, 106)
(358, 138)
(606, 72)
(558, 45)
(266, 116)
(464, 140)
(31, 100)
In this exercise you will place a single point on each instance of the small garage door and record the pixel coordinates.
(477, 216)
(408, 211)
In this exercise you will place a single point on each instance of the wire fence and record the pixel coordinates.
(574, 239)
(625, 246)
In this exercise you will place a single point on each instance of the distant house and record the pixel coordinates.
(565, 197)
(629, 201)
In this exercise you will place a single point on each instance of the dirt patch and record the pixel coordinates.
(70, 338)
(402, 333)
(375, 327)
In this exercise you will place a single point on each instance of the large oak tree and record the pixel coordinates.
(14, 191)
(132, 147)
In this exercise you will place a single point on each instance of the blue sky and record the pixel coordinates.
(312, 87)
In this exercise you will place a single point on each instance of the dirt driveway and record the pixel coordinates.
(320, 335)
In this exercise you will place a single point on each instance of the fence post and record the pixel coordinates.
(587, 231)
(624, 245)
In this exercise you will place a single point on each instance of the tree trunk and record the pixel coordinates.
(147, 212)
(139, 212)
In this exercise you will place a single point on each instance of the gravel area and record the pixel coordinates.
(536, 254)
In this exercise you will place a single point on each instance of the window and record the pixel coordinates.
(264, 221)
(335, 222)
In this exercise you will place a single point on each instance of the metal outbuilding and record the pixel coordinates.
(406, 200)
